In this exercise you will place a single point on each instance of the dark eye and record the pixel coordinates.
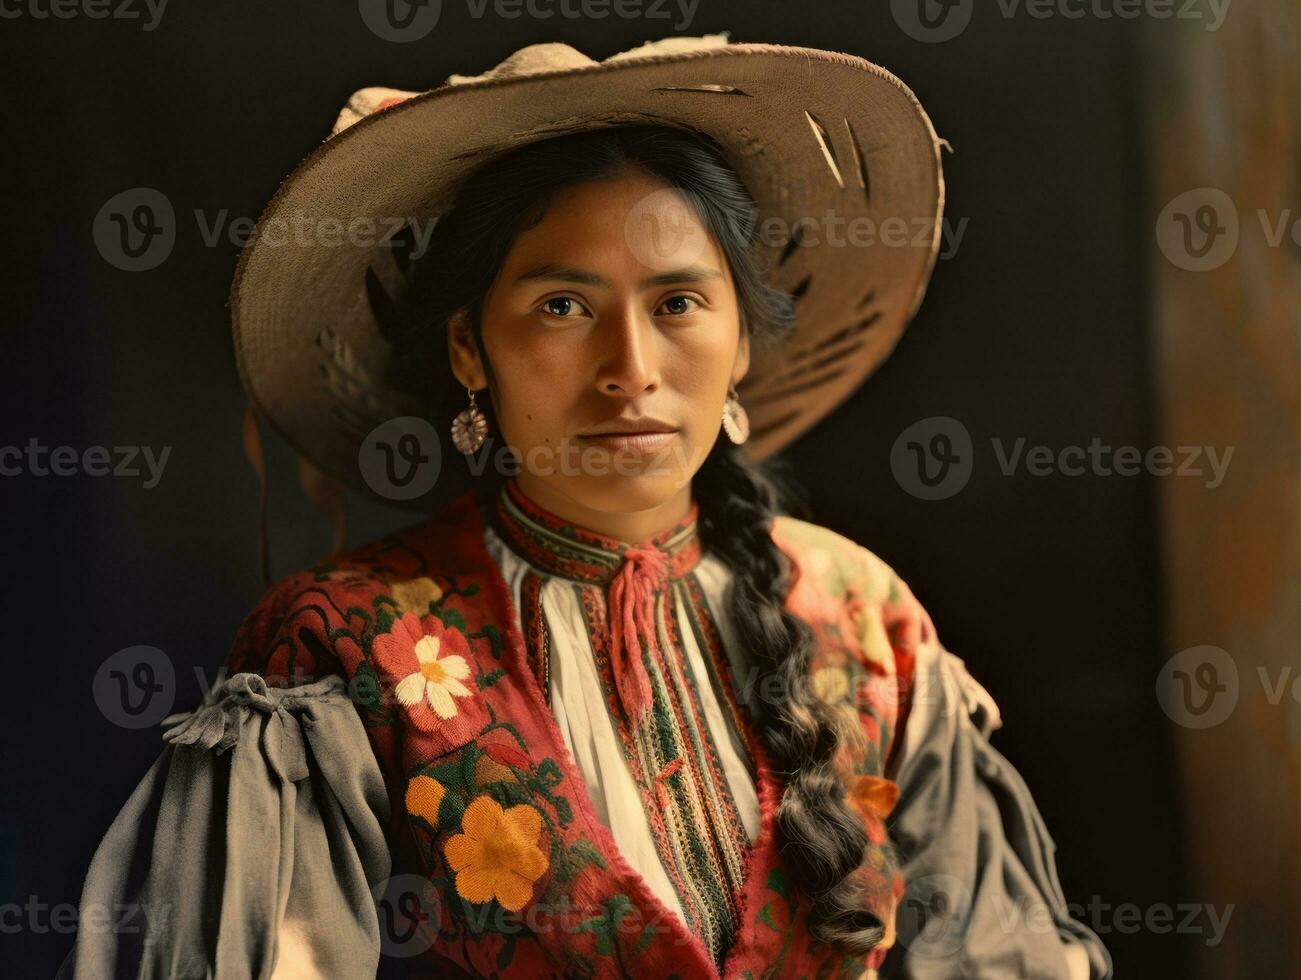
(678, 305)
(561, 306)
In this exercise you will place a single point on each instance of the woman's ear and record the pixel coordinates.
(463, 352)
(742, 364)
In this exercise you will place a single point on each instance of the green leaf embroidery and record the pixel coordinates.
(777, 883)
(452, 617)
(493, 635)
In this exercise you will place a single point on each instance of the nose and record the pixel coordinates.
(630, 354)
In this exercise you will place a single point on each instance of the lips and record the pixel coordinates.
(632, 427)
(643, 441)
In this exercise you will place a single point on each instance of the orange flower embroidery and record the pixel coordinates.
(424, 797)
(873, 796)
(497, 855)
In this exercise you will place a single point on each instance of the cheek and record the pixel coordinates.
(536, 385)
(702, 364)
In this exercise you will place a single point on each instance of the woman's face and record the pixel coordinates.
(618, 306)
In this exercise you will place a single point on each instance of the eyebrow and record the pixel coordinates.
(550, 270)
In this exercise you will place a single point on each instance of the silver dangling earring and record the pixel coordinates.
(470, 427)
(736, 423)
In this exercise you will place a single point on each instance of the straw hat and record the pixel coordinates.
(837, 152)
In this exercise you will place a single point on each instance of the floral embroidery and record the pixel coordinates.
(496, 855)
(864, 624)
(830, 684)
(424, 797)
(494, 827)
(415, 595)
(426, 662)
(874, 797)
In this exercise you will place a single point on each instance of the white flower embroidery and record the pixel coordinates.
(437, 680)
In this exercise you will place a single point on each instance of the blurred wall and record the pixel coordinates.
(1226, 162)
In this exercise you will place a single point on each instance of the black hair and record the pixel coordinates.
(823, 840)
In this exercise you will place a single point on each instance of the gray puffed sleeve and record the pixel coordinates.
(257, 834)
(982, 897)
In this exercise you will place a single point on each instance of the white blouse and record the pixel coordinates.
(584, 720)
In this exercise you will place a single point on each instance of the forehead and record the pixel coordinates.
(632, 224)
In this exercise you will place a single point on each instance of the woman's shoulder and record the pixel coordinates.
(839, 562)
(843, 580)
(301, 625)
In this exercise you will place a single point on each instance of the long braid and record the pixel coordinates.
(824, 839)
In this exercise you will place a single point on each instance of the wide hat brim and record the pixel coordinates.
(828, 144)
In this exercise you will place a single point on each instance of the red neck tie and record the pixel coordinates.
(643, 575)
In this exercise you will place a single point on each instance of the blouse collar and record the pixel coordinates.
(559, 547)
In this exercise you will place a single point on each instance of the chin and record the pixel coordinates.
(618, 493)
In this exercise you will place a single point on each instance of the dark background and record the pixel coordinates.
(1049, 587)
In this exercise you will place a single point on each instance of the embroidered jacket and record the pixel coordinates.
(486, 804)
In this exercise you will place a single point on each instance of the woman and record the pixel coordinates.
(611, 710)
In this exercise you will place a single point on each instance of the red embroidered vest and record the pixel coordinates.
(489, 814)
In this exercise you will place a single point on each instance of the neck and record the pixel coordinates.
(626, 526)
